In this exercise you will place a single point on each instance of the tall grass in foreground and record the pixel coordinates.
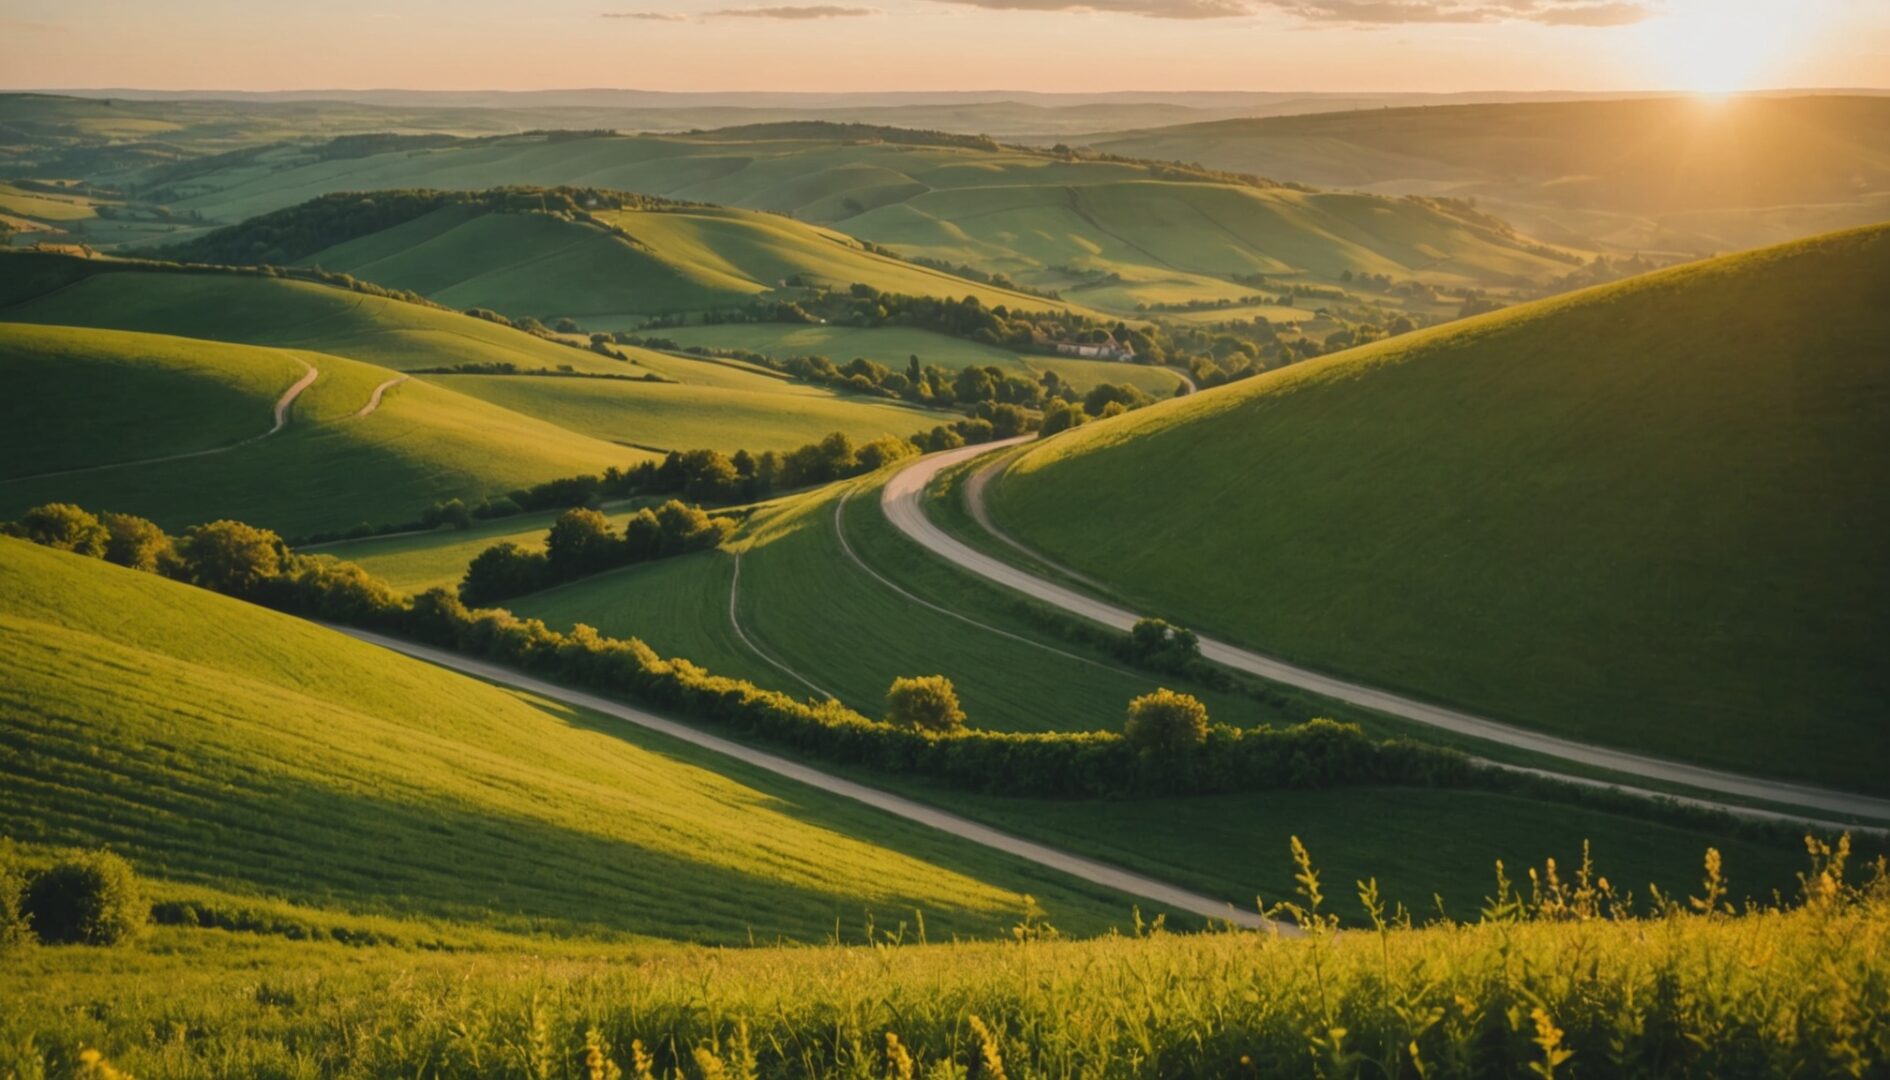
(1555, 980)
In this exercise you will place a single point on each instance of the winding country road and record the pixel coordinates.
(902, 502)
(282, 420)
(1075, 866)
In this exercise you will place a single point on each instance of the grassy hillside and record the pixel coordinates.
(1671, 173)
(895, 345)
(230, 751)
(1164, 233)
(591, 253)
(1647, 514)
(82, 397)
(709, 405)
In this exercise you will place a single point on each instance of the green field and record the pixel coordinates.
(669, 260)
(1670, 174)
(772, 416)
(691, 404)
(252, 758)
(895, 346)
(1645, 514)
(1166, 234)
(328, 469)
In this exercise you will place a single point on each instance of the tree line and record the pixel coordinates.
(582, 542)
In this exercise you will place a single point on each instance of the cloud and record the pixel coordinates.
(1354, 12)
(1387, 12)
(816, 11)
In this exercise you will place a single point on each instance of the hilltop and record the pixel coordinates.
(1645, 514)
(1660, 174)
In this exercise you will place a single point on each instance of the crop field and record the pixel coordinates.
(224, 747)
(328, 469)
(895, 346)
(1717, 442)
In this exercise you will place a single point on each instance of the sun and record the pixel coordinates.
(1724, 46)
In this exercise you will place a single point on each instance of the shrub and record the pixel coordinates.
(92, 898)
(580, 542)
(132, 541)
(1166, 723)
(231, 557)
(15, 928)
(66, 527)
(504, 570)
(1163, 646)
(924, 703)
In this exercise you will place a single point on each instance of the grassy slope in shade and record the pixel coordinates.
(224, 747)
(189, 396)
(1649, 514)
(329, 469)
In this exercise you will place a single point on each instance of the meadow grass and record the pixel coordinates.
(223, 747)
(329, 469)
(1540, 989)
(1644, 515)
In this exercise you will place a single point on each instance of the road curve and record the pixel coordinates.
(1076, 866)
(901, 501)
(281, 416)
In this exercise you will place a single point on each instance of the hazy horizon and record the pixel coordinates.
(956, 46)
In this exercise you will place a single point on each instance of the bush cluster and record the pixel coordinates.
(86, 898)
(582, 542)
(254, 564)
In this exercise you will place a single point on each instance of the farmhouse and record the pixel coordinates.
(1097, 350)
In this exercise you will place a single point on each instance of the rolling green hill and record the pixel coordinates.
(1663, 174)
(688, 404)
(1111, 234)
(80, 398)
(245, 758)
(1648, 514)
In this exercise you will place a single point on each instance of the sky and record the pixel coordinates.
(864, 45)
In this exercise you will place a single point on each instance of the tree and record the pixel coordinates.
(642, 536)
(66, 527)
(580, 542)
(92, 898)
(453, 513)
(1060, 416)
(1156, 643)
(924, 703)
(231, 557)
(504, 570)
(1166, 723)
(135, 542)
